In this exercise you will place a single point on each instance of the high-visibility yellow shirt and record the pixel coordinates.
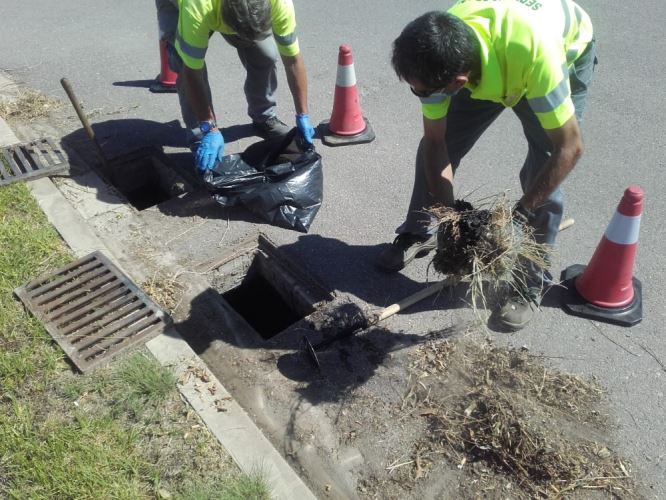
(527, 48)
(197, 19)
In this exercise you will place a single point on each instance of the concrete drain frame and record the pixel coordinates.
(255, 269)
(145, 177)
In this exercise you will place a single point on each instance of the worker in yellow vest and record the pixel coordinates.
(467, 65)
(247, 25)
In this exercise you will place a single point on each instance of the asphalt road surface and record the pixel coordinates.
(109, 51)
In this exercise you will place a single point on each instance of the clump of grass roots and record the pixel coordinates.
(486, 247)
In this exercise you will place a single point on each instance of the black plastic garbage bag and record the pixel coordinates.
(278, 179)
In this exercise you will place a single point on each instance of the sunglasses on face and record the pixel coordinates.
(423, 93)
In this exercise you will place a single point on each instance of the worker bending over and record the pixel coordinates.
(247, 25)
(467, 65)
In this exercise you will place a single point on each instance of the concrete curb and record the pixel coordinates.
(225, 418)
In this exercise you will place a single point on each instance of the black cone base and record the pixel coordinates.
(157, 87)
(331, 139)
(574, 304)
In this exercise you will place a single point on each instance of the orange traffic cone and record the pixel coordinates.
(347, 124)
(606, 290)
(166, 80)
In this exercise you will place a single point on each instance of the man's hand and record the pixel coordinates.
(209, 150)
(304, 127)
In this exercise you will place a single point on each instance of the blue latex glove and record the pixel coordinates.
(210, 149)
(304, 127)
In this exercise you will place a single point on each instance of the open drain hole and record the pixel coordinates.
(145, 178)
(265, 288)
(258, 301)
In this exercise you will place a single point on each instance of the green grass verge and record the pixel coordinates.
(121, 432)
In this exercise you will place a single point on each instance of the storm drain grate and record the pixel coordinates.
(30, 160)
(92, 310)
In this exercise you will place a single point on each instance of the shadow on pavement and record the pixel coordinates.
(141, 84)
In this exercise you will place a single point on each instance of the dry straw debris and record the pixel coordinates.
(504, 418)
(167, 292)
(485, 246)
(27, 105)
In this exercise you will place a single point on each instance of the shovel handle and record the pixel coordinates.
(84, 120)
(412, 299)
(566, 223)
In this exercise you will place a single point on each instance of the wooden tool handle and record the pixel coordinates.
(84, 120)
(412, 299)
(566, 223)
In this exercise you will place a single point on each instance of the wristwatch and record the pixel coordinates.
(207, 126)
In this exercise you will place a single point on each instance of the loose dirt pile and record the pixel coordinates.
(511, 425)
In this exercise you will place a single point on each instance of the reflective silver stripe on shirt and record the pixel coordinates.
(567, 18)
(434, 99)
(286, 40)
(189, 50)
(554, 98)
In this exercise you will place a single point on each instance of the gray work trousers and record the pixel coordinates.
(468, 118)
(259, 58)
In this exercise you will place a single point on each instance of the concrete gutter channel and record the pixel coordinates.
(233, 427)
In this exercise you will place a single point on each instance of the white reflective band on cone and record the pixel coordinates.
(623, 229)
(346, 76)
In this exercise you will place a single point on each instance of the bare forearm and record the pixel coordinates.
(567, 149)
(438, 172)
(197, 94)
(298, 82)
(551, 176)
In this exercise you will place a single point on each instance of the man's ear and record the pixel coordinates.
(461, 80)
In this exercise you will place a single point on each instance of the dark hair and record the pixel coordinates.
(250, 19)
(434, 48)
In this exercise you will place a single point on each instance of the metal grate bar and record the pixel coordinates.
(115, 329)
(72, 289)
(25, 163)
(3, 171)
(150, 331)
(110, 315)
(101, 348)
(92, 310)
(43, 280)
(75, 322)
(88, 300)
(52, 285)
(11, 163)
(31, 160)
(54, 152)
(34, 152)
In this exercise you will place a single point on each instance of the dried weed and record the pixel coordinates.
(27, 105)
(504, 418)
(485, 247)
(167, 292)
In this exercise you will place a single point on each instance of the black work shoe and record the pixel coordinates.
(519, 309)
(404, 249)
(272, 127)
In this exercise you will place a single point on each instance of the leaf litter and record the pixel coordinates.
(508, 422)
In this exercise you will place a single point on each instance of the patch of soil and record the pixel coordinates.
(453, 416)
(508, 422)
